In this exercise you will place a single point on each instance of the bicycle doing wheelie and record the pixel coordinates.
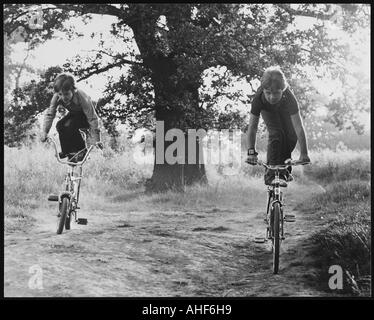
(68, 198)
(275, 216)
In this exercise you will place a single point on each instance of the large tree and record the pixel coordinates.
(173, 46)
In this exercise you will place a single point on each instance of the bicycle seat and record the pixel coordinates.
(282, 183)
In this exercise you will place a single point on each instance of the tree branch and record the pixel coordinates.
(106, 68)
(247, 46)
(117, 57)
(101, 9)
(304, 13)
(27, 10)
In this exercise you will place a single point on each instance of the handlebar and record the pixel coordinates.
(79, 163)
(281, 166)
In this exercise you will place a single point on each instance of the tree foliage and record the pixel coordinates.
(170, 47)
(28, 101)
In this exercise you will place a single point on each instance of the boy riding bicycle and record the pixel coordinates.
(280, 111)
(82, 115)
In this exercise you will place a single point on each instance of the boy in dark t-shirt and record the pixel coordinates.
(280, 111)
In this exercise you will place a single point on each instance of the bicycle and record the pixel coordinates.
(68, 198)
(275, 217)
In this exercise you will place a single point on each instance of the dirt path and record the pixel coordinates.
(150, 254)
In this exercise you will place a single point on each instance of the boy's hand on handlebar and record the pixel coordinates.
(43, 137)
(304, 158)
(252, 159)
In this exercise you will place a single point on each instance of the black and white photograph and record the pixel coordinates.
(187, 150)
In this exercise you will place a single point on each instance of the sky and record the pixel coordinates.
(57, 51)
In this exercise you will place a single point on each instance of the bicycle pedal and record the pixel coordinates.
(82, 221)
(289, 218)
(52, 197)
(260, 240)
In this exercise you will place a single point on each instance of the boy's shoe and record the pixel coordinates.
(283, 175)
(269, 176)
(286, 175)
(62, 155)
(290, 177)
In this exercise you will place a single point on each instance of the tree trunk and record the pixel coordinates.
(176, 176)
(171, 101)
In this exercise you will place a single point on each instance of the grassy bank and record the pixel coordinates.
(345, 239)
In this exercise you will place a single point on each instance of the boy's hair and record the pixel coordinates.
(274, 78)
(64, 82)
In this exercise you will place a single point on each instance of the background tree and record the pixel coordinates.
(28, 101)
(171, 47)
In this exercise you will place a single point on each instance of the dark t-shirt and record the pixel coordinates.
(277, 117)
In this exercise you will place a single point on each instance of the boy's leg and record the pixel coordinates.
(70, 136)
(62, 129)
(78, 121)
(274, 152)
(287, 151)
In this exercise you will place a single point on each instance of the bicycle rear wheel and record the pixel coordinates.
(64, 208)
(276, 236)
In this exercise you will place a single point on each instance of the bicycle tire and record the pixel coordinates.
(67, 221)
(64, 207)
(276, 236)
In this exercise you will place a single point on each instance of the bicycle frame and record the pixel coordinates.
(274, 212)
(275, 194)
(72, 187)
(72, 181)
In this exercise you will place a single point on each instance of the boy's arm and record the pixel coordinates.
(300, 132)
(92, 117)
(50, 114)
(252, 130)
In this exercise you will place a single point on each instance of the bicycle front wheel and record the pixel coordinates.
(63, 212)
(67, 221)
(276, 236)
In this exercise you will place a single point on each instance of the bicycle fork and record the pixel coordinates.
(270, 222)
(274, 196)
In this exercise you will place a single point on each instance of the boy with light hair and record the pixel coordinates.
(279, 109)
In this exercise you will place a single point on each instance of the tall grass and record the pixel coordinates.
(329, 166)
(345, 206)
(31, 173)
(35, 171)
